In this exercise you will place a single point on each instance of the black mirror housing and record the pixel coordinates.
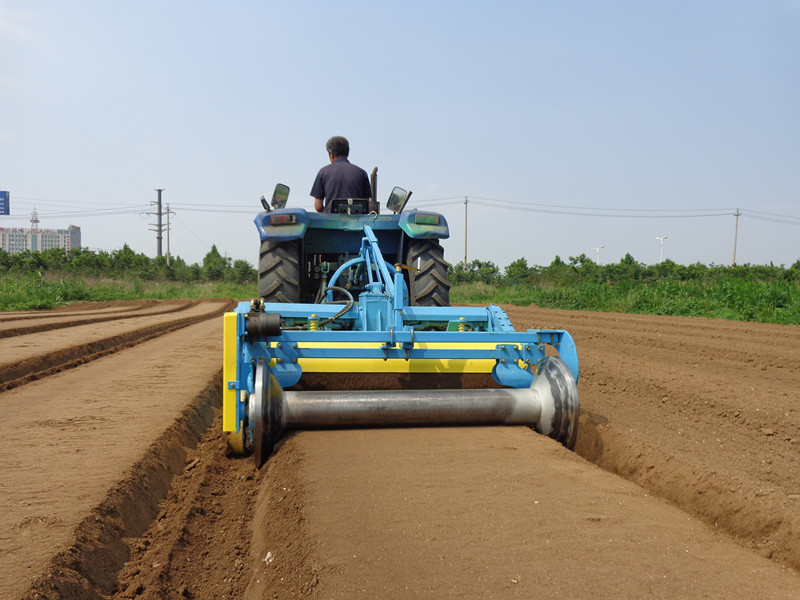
(397, 200)
(280, 196)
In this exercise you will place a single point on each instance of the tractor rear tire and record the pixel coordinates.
(430, 284)
(279, 271)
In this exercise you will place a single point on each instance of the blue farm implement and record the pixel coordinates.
(370, 352)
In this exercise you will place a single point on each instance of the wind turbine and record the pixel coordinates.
(597, 251)
(661, 252)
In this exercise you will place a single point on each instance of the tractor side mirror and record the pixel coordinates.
(280, 195)
(397, 200)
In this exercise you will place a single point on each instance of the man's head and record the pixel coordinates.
(338, 146)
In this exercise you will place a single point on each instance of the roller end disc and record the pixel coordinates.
(259, 412)
(560, 406)
(267, 418)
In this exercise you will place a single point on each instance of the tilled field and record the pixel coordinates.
(115, 481)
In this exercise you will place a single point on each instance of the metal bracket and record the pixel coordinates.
(409, 346)
(287, 369)
(388, 345)
(507, 370)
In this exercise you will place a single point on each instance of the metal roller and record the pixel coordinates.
(549, 405)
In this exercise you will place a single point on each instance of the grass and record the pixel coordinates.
(729, 298)
(35, 291)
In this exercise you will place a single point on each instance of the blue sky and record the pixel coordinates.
(569, 125)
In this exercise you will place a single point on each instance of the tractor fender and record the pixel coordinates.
(292, 224)
(284, 225)
(419, 224)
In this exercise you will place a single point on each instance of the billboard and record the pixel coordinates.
(5, 203)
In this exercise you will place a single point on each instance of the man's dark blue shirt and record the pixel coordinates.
(341, 179)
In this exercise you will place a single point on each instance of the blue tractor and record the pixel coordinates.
(301, 250)
(353, 328)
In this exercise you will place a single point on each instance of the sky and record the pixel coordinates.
(551, 127)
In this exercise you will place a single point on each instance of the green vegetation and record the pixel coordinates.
(40, 280)
(767, 294)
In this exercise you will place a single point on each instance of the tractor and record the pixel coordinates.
(353, 327)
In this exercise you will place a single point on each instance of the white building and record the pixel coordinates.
(19, 239)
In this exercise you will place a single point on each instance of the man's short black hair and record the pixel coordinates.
(338, 146)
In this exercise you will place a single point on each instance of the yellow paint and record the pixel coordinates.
(229, 396)
(397, 365)
(236, 440)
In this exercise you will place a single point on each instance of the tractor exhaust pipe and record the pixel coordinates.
(374, 205)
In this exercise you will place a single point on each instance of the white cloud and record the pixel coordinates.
(15, 26)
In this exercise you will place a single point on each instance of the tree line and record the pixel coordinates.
(765, 293)
(579, 269)
(125, 263)
(215, 267)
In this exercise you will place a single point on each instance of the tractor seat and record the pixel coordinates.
(350, 206)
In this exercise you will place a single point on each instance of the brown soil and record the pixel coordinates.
(107, 493)
(54, 344)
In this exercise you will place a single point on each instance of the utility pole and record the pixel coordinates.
(466, 203)
(159, 227)
(735, 235)
(168, 213)
(661, 253)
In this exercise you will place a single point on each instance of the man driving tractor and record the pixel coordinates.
(341, 178)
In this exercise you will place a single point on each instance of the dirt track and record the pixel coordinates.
(700, 418)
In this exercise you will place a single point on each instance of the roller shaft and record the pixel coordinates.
(320, 409)
(549, 405)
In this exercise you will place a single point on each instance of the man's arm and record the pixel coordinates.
(318, 191)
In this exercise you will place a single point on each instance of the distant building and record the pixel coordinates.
(18, 239)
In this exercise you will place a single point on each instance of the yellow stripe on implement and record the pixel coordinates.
(397, 365)
(230, 396)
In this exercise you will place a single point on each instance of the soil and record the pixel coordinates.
(115, 481)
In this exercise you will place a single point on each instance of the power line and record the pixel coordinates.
(783, 220)
(434, 204)
(458, 198)
(545, 208)
(563, 207)
(191, 230)
(253, 206)
(58, 201)
(84, 213)
(251, 211)
(768, 214)
(578, 213)
(628, 212)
